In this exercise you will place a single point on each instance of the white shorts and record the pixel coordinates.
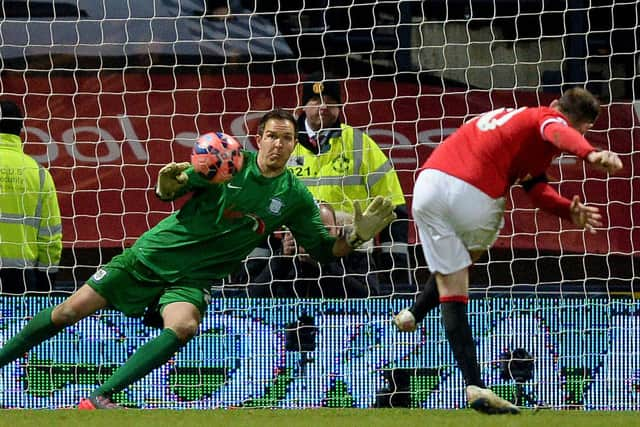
(453, 218)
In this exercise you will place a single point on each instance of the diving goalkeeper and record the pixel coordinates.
(171, 266)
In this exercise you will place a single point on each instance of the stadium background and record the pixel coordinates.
(110, 99)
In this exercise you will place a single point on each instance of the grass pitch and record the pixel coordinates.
(311, 418)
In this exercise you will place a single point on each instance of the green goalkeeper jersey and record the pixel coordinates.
(221, 224)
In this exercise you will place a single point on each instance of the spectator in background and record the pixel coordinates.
(339, 163)
(291, 272)
(30, 225)
(218, 8)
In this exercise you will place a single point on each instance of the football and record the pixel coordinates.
(217, 156)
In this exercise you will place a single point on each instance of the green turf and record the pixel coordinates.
(312, 417)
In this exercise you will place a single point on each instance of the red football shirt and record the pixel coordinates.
(501, 147)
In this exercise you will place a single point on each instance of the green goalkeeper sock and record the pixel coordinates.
(150, 356)
(39, 329)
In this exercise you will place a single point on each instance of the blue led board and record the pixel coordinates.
(338, 353)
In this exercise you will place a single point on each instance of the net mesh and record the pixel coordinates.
(112, 91)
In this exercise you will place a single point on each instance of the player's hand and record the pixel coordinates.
(288, 243)
(171, 178)
(587, 217)
(605, 160)
(366, 225)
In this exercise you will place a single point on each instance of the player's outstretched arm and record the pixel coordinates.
(171, 178)
(587, 217)
(365, 224)
(605, 160)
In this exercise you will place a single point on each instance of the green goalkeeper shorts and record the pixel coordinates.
(130, 287)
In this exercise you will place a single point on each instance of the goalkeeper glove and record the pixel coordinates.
(171, 178)
(366, 225)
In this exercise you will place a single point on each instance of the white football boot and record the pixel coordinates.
(485, 401)
(405, 321)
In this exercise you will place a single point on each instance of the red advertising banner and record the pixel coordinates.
(105, 136)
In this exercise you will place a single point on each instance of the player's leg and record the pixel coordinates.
(426, 301)
(181, 321)
(475, 232)
(454, 297)
(407, 320)
(453, 306)
(453, 216)
(429, 211)
(181, 310)
(50, 321)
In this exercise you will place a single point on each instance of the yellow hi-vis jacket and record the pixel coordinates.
(352, 168)
(30, 225)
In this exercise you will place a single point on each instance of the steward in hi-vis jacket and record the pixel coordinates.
(30, 225)
(339, 163)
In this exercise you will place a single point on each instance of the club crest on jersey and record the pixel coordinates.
(98, 275)
(275, 206)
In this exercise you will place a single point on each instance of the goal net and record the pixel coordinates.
(112, 91)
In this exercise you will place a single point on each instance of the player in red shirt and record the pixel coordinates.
(459, 200)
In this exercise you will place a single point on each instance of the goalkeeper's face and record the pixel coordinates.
(275, 146)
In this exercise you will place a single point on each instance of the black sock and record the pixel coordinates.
(458, 331)
(428, 299)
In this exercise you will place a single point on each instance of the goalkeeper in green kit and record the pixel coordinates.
(170, 267)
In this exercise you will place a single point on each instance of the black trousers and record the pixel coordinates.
(18, 281)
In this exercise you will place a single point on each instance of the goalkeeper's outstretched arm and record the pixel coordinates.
(365, 225)
(171, 178)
